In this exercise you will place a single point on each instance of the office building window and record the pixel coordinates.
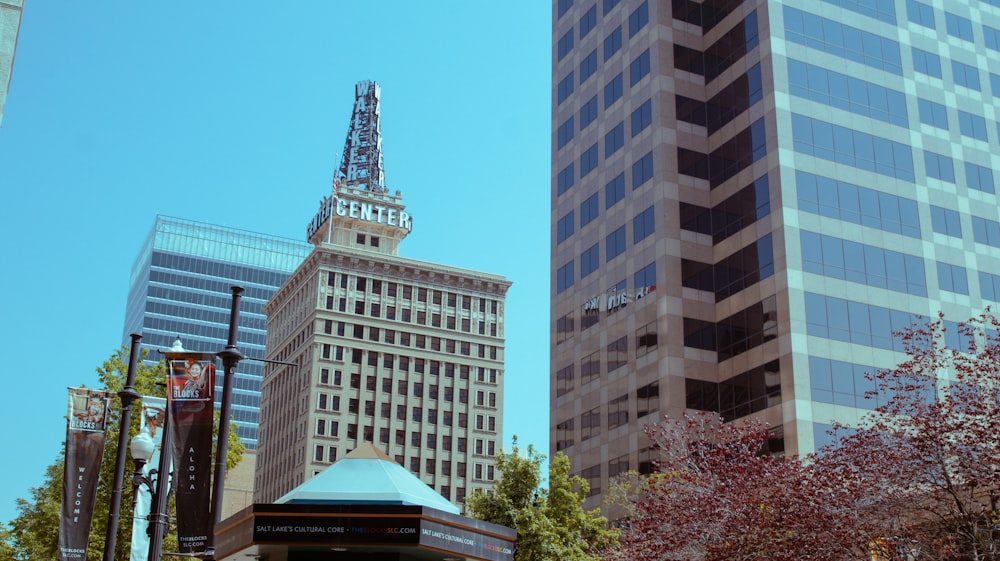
(612, 43)
(562, 7)
(639, 68)
(920, 13)
(638, 19)
(615, 243)
(952, 278)
(565, 132)
(643, 225)
(588, 112)
(617, 353)
(965, 75)
(957, 26)
(588, 66)
(972, 125)
(979, 178)
(563, 181)
(618, 411)
(939, 166)
(642, 117)
(646, 276)
(590, 367)
(588, 161)
(614, 140)
(564, 228)
(565, 88)
(565, 380)
(946, 221)
(588, 210)
(991, 37)
(565, 44)
(931, 113)
(613, 90)
(590, 423)
(564, 277)
(588, 21)
(589, 260)
(642, 170)
(986, 231)
(614, 191)
(645, 339)
(926, 63)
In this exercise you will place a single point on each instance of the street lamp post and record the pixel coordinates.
(231, 357)
(127, 395)
(158, 483)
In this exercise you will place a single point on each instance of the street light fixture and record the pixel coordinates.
(142, 448)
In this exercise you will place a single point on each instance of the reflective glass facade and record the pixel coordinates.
(802, 177)
(180, 286)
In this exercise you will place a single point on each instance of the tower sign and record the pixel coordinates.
(361, 165)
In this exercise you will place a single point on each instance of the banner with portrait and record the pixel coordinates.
(191, 399)
(151, 423)
(86, 424)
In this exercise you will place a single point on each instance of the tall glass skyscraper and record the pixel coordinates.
(750, 197)
(180, 286)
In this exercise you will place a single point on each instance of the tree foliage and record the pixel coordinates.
(917, 479)
(33, 534)
(931, 451)
(551, 523)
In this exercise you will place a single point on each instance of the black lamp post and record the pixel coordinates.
(127, 395)
(231, 357)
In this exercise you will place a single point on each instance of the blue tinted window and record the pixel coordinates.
(842, 40)
(864, 264)
(613, 91)
(926, 63)
(564, 277)
(565, 132)
(589, 260)
(857, 205)
(588, 112)
(614, 140)
(565, 88)
(565, 45)
(995, 84)
(646, 276)
(588, 161)
(939, 166)
(564, 228)
(565, 179)
(952, 278)
(965, 75)
(588, 21)
(946, 221)
(986, 231)
(958, 26)
(851, 147)
(643, 225)
(639, 68)
(879, 9)
(614, 191)
(563, 7)
(991, 37)
(842, 383)
(609, 5)
(612, 43)
(932, 113)
(920, 13)
(638, 19)
(588, 210)
(972, 125)
(854, 322)
(642, 170)
(588, 66)
(989, 286)
(642, 117)
(615, 243)
(846, 92)
(979, 178)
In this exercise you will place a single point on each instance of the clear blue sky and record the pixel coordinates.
(235, 113)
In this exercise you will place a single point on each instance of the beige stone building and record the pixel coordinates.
(405, 354)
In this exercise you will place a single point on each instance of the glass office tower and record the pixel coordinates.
(180, 286)
(748, 198)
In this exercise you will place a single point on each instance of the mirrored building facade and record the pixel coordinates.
(750, 197)
(180, 286)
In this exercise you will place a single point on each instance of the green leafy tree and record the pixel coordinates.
(551, 523)
(34, 533)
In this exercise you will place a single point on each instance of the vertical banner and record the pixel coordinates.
(153, 412)
(190, 389)
(85, 429)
